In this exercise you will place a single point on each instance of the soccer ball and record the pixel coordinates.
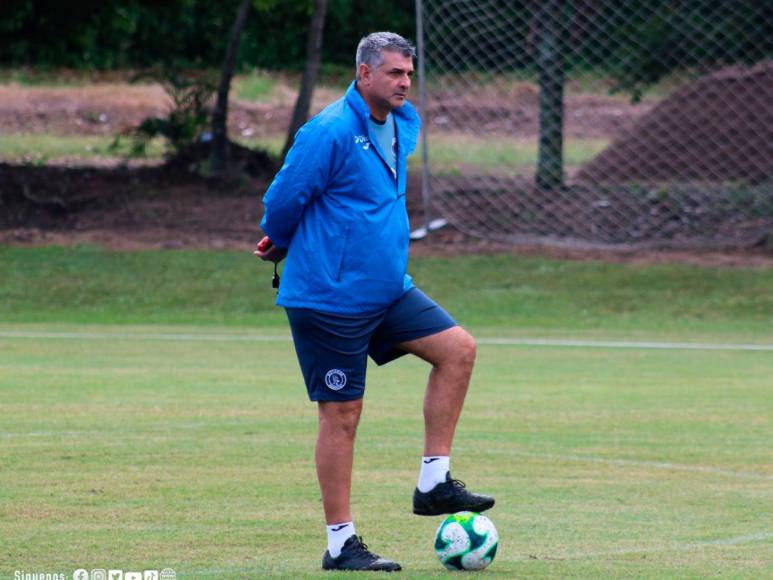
(466, 541)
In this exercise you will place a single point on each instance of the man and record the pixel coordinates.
(337, 211)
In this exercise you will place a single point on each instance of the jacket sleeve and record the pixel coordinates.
(303, 177)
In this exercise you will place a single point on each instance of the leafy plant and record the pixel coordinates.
(190, 93)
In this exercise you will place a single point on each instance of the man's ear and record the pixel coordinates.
(364, 72)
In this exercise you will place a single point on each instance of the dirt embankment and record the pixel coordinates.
(146, 210)
(130, 209)
(716, 129)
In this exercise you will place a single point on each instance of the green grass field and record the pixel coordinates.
(152, 415)
(450, 152)
(39, 149)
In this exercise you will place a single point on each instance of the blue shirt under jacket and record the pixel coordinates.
(340, 211)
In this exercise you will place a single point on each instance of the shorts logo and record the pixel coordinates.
(335, 379)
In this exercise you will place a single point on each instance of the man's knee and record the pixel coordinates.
(470, 347)
(464, 350)
(340, 416)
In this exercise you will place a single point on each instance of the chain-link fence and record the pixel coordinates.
(598, 122)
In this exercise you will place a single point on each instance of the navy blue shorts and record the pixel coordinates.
(333, 349)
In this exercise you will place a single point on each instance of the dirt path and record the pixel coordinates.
(109, 108)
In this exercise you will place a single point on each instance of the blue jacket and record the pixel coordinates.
(340, 211)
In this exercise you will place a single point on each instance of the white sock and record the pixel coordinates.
(433, 471)
(337, 534)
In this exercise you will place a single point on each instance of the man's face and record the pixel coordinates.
(388, 85)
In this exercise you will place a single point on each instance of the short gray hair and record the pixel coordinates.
(371, 47)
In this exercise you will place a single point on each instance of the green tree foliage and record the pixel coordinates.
(644, 40)
(109, 33)
(635, 41)
(106, 34)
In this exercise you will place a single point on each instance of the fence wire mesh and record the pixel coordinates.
(600, 123)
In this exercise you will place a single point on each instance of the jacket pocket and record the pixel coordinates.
(342, 258)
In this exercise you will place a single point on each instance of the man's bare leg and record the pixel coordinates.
(335, 453)
(334, 456)
(452, 356)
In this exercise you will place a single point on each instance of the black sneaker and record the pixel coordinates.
(449, 497)
(356, 556)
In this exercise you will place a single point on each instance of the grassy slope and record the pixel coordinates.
(504, 293)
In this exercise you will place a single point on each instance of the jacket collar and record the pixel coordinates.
(408, 121)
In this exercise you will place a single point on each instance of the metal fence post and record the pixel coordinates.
(425, 191)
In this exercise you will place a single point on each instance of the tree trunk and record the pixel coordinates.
(219, 157)
(313, 53)
(550, 164)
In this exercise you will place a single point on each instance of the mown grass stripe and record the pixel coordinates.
(681, 547)
(666, 465)
(485, 341)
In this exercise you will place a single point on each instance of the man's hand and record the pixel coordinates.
(265, 250)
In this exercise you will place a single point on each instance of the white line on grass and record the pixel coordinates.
(148, 336)
(634, 462)
(683, 547)
(487, 341)
(677, 547)
(624, 344)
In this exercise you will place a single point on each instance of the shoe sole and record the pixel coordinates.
(481, 507)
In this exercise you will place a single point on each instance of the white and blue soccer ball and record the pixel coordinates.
(466, 541)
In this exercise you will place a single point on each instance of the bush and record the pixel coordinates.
(190, 93)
